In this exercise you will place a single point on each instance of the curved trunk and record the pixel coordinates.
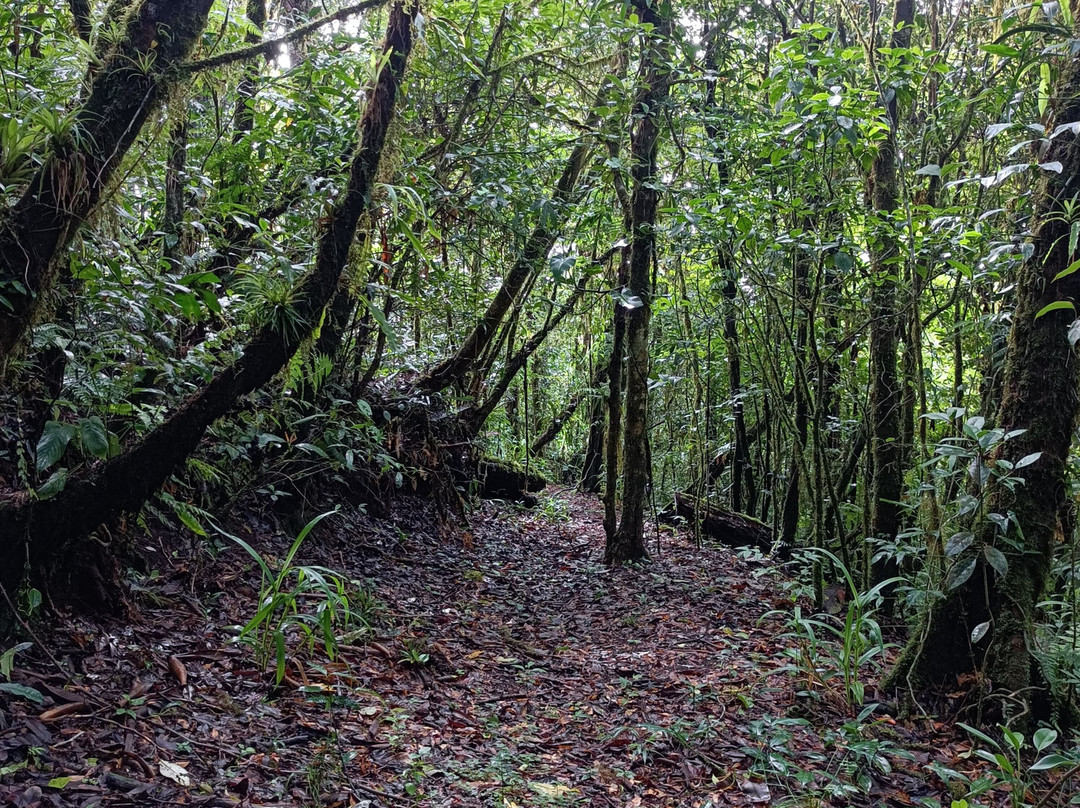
(40, 530)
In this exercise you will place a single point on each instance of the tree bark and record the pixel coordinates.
(1041, 395)
(475, 417)
(67, 188)
(628, 542)
(885, 392)
(40, 530)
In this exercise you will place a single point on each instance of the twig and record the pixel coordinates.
(30, 632)
(268, 46)
(1057, 786)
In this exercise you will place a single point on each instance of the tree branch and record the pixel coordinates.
(267, 48)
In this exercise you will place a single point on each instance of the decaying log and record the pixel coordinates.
(727, 527)
(502, 480)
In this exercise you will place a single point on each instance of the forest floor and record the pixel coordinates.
(504, 666)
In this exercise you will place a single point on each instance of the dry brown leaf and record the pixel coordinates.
(61, 710)
(176, 667)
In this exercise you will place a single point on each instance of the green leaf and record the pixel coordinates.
(961, 573)
(7, 659)
(958, 543)
(22, 691)
(384, 325)
(1057, 305)
(1050, 762)
(54, 441)
(1069, 270)
(52, 486)
(94, 437)
(930, 170)
(1043, 738)
(1027, 460)
(58, 782)
(999, 49)
(982, 736)
(979, 631)
(996, 559)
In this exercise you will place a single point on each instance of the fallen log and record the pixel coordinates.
(502, 480)
(727, 527)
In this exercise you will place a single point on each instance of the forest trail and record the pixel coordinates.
(508, 669)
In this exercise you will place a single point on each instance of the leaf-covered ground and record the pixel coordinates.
(505, 666)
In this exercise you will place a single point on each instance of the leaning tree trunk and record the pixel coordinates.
(628, 541)
(885, 393)
(67, 189)
(537, 246)
(38, 531)
(1039, 396)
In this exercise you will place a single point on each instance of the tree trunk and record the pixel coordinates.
(628, 542)
(559, 421)
(885, 392)
(537, 246)
(68, 187)
(172, 223)
(475, 417)
(41, 529)
(1040, 396)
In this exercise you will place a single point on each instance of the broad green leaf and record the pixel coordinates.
(1051, 762)
(22, 691)
(979, 631)
(996, 559)
(54, 441)
(1057, 305)
(1027, 460)
(958, 543)
(1043, 738)
(54, 485)
(999, 49)
(929, 170)
(961, 573)
(94, 437)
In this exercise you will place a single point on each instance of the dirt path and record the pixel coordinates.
(510, 668)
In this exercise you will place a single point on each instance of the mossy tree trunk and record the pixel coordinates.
(628, 541)
(1039, 396)
(885, 258)
(67, 189)
(36, 532)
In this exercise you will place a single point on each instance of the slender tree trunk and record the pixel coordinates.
(537, 246)
(628, 542)
(475, 417)
(67, 188)
(566, 413)
(1041, 395)
(172, 224)
(885, 392)
(38, 531)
